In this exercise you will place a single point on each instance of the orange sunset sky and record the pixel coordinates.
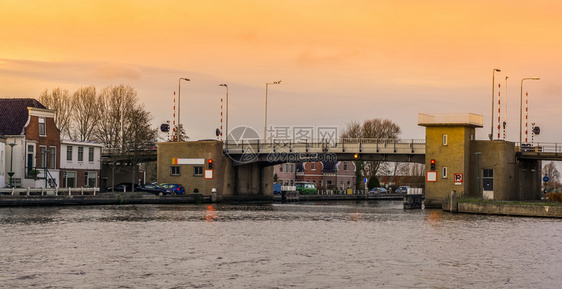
(338, 60)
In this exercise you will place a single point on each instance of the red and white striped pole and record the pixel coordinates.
(499, 106)
(174, 119)
(526, 114)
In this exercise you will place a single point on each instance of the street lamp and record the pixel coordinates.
(46, 158)
(226, 137)
(179, 106)
(265, 121)
(11, 172)
(521, 107)
(492, 122)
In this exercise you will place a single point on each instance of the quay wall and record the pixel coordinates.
(506, 209)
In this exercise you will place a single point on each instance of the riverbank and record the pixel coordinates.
(486, 207)
(99, 199)
(145, 198)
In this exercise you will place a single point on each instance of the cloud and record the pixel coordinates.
(116, 71)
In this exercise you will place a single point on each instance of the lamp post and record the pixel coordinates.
(46, 158)
(226, 86)
(521, 107)
(492, 122)
(265, 120)
(11, 172)
(179, 106)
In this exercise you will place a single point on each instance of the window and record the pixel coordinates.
(348, 184)
(444, 139)
(488, 179)
(69, 153)
(292, 183)
(90, 179)
(91, 155)
(30, 157)
(281, 168)
(69, 179)
(281, 182)
(43, 156)
(313, 166)
(345, 166)
(42, 128)
(53, 158)
(444, 172)
(292, 168)
(286, 167)
(198, 171)
(175, 170)
(80, 154)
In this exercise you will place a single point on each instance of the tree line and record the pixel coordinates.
(91, 114)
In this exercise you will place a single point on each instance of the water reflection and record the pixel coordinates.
(356, 244)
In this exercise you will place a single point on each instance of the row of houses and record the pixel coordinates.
(325, 175)
(33, 153)
(334, 176)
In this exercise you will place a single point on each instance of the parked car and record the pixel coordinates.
(377, 190)
(122, 187)
(153, 189)
(176, 189)
(402, 190)
(305, 188)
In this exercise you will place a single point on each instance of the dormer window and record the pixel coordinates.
(42, 127)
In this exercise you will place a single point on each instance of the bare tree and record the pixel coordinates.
(376, 129)
(116, 104)
(85, 114)
(60, 101)
(552, 173)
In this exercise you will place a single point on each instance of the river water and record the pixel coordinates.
(364, 244)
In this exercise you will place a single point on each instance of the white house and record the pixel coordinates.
(80, 164)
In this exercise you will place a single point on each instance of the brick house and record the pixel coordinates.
(31, 128)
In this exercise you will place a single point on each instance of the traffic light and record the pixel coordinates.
(432, 162)
(355, 156)
(210, 162)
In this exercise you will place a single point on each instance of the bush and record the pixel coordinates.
(373, 183)
(554, 197)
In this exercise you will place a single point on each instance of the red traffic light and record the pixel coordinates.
(210, 161)
(432, 162)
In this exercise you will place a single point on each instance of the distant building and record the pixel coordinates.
(326, 175)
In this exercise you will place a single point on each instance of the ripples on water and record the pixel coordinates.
(299, 245)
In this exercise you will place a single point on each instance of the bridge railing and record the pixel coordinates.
(539, 147)
(349, 145)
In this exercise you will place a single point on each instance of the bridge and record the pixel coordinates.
(364, 149)
(348, 149)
